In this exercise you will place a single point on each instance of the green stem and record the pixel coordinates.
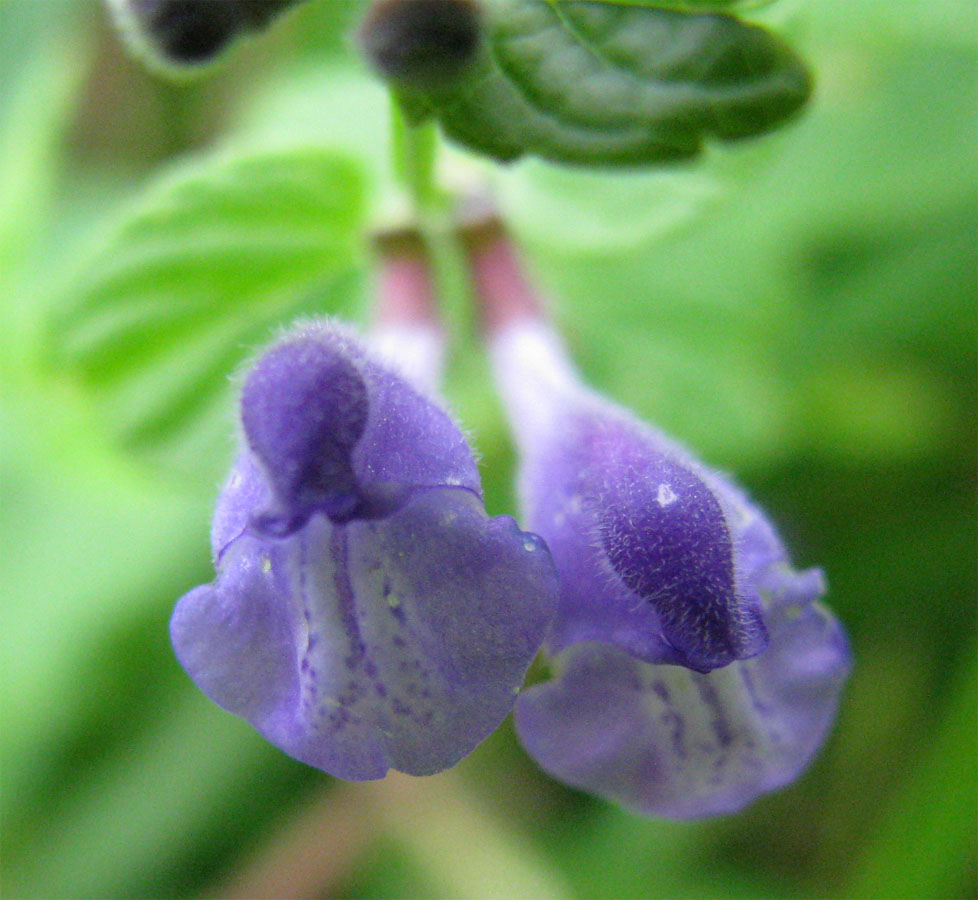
(415, 155)
(415, 151)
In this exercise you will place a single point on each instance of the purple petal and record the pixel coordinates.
(410, 439)
(333, 431)
(662, 739)
(669, 741)
(642, 542)
(392, 642)
(367, 613)
(244, 493)
(304, 408)
(661, 561)
(236, 637)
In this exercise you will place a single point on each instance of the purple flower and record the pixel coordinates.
(367, 613)
(693, 669)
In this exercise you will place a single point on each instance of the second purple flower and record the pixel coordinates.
(693, 668)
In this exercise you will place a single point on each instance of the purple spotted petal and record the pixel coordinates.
(661, 561)
(395, 642)
(669, 741)
(367, 613)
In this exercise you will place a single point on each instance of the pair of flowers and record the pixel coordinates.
(368, 614)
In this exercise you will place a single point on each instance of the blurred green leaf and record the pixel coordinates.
(204, 267)
(39, 83)
(321, 29)
(327, 105)
(426, 821)
(819, 307)
(934, 813)
(135, 824)
(615, 212)
(602, 83)
(894, 22)
(687, 5)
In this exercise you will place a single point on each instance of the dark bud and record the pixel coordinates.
(180, 33)
(421, 42)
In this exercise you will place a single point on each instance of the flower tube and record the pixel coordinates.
(693, 668)
(367, 614)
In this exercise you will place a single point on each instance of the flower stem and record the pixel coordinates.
(415, 151)
(415, 156)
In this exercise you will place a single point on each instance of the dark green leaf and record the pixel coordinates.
(606, 83)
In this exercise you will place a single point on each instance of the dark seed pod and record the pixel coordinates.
(421, 42)
(177, 34)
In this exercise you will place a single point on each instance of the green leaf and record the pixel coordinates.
(39, 81)
(690, 5)
(601, 83)
(933, 812)
(201, 271)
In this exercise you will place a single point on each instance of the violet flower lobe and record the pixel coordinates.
(367, 613)
(693, 668)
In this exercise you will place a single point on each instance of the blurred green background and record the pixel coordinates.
(800, 309)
